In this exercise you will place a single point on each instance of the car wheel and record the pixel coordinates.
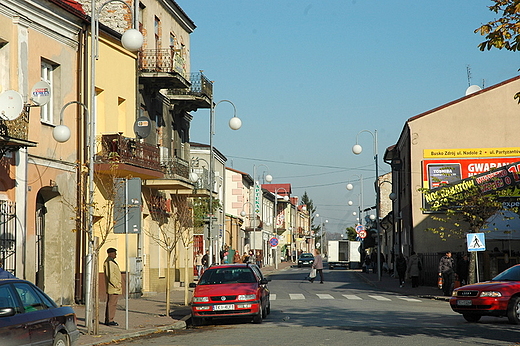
(299, 266)
(513, 310)
(471, 317)
(196, 321)
(60, 340)
(258, 318)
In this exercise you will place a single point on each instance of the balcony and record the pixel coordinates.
(132, 157)
(162, 69)
(198, 95)
(14, 133)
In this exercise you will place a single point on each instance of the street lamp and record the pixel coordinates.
(322, 228)
(132, 40)
(257, 198)
(234, 123)
(275, 218)
(357, 149)
(360, 196)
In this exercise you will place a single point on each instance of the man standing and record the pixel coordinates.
(113, 286)
(446, 270)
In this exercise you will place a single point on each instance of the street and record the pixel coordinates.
(344, 311)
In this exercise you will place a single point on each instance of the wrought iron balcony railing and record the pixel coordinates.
(115, 147)
(200, 86)
(162, 60)
(175, 167)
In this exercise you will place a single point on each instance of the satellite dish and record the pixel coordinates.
(142, 127)
(41, 93)
(472, 89)
(11, 105)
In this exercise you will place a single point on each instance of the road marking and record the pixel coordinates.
(272, 296)
(324, 296)
(352, 297)
(410, 299)
(296, 296)
(381, 298)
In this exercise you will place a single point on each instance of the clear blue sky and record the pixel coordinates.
(307, 76)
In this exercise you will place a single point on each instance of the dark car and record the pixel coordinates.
(305, 259)
(499, 297)
(230, 290)
(29, 317)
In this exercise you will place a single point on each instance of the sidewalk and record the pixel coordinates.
(391, 284)
(146, 315)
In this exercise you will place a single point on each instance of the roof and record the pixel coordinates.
(279, 189)
(71, 6)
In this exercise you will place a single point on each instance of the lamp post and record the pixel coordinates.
(322, 227)
(360, 198)
(275, 218)
(357, 149)
(257, 198)
(132, 40)
(234, 123)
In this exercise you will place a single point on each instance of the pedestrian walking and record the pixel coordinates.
(414, 269)
(447, 272)
(205, 261)
(318, 265)
(113, 286)
(400, 266)
(198, 263)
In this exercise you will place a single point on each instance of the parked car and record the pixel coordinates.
(29, 317)
(498, 297)
(305, 259)
(230, 290)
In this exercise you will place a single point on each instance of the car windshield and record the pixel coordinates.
(306, 255)
(511, 274)
(227, 276)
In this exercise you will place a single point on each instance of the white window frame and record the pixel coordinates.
(47, 75)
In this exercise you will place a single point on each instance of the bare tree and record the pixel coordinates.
(174, 228)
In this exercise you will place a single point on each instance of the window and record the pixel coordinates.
(30, 299)
(47, 75)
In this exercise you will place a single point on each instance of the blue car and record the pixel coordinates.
(29, 317)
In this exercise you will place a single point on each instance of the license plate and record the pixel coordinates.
(464, 302)
(223, 307)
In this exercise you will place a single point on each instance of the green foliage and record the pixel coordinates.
(466, 211)
(504, 32)
(310, 207)
(201, 210)
(351, 233)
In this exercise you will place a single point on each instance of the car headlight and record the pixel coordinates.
(200, 299)
(493, 294)
(246, 297)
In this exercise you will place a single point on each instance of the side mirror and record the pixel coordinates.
(264, 281)
(192, 285)
(7, 312)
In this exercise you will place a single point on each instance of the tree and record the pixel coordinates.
(311, 209)
(351, 233)
(504, 32)
(465, 211)
(174, 225)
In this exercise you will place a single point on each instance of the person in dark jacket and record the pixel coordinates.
(447, 272)
(400, 266)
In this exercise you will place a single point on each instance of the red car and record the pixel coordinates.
(230, 290)
(499, 297)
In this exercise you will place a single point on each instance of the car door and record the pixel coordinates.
(38, 315)
(14, 330)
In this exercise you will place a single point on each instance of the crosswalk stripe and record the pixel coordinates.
(410, 299)
(272, 296)
(324, 296)
(379, 298)
(296, 296)
(352, 297)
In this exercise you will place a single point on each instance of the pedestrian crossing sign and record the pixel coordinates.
(476, 242)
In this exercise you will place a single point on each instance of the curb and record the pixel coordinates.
(176, 326)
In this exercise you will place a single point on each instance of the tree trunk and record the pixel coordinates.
(168, 283)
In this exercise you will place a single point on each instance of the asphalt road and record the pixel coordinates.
(344, 311)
